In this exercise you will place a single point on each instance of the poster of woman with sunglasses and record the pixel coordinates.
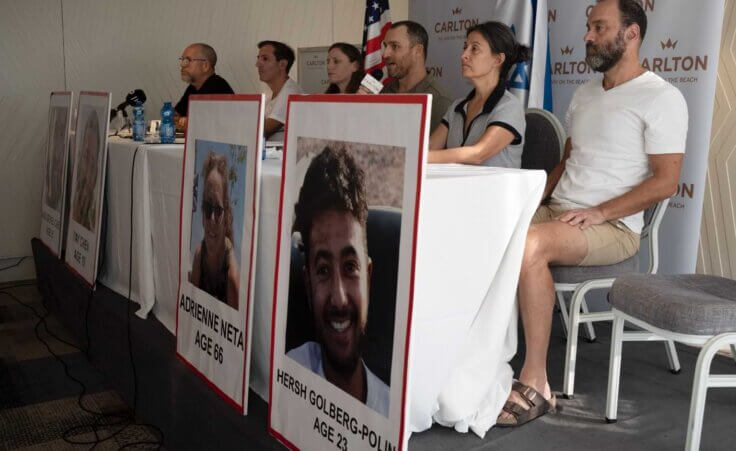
(217, 219)
(218, 240)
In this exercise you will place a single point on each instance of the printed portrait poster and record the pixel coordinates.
(54, 180)
(88, 184)
(218, 238)
(345, 270)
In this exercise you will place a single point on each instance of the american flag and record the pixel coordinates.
(377, 23)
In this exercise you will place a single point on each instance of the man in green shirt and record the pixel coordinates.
(405, 53)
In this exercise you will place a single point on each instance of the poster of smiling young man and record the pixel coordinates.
(217, 240)
(345, 270)
(88, 184)
(54, 181)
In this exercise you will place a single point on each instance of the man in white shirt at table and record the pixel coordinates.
(274, 62)
(331, 216)
(627, 141)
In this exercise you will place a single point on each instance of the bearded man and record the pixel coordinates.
(405, 55)
(627, 133)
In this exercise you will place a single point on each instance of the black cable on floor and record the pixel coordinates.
(20, 260)
(92, 427)
(131, 419)
(160, 442)
(123, 418)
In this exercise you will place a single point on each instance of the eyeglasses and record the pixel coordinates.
(184, 62)
(208, 208)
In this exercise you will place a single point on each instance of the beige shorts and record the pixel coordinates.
(608, 243)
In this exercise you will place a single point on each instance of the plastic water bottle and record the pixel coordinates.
(139, 122)
(167, 124)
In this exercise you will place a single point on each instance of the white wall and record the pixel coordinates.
(116, 46)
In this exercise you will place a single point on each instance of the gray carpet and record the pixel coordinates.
(38, 403)
(653, 404)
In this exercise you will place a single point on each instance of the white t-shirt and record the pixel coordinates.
(309, 355)
(276, 106)
(612, 134)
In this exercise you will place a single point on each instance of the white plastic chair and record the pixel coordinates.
(693, 309)
(580, 280)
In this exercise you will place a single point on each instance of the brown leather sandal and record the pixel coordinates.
(538, 406)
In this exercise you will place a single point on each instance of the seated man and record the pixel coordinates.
(405, 53)
(274, 63)
(627, 138)
(198, 69)
(331, 216)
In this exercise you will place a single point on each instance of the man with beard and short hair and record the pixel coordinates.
(405, 54)
(627, 132)
(197, 67)
(331, 216)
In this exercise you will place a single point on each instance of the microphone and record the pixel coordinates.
(131, 99)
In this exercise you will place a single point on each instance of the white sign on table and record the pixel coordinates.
(53, 199)
(346, 250)
(217, 240)
(88, 183)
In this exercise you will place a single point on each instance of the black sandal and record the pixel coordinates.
(538, 406)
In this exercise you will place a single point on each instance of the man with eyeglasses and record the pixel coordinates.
(197, 64)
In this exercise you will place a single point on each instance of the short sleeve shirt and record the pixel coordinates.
(309, 355)
(613, 133)
(502, 109)
(429, 85)
(213, 85)
(276, 106)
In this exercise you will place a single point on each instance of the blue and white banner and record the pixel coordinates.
(682, 46)
(448, 22)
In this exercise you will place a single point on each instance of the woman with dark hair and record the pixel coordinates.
(344, 69)
(486, 127)
(214, 268)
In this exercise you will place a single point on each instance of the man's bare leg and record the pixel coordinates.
(553, 242)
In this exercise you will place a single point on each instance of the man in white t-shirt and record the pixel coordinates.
(331, 216)
(274, 62)
(627, 141)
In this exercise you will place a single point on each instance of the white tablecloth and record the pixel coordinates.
(472, 230)
(115, 270)
(471, 238)
(157, 194)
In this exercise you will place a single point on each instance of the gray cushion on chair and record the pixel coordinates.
(578, 274)
(689, 304)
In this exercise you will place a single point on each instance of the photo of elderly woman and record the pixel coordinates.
(217, 219)
(55, 157)
(86, 191)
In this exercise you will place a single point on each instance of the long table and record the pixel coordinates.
(471, 236)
